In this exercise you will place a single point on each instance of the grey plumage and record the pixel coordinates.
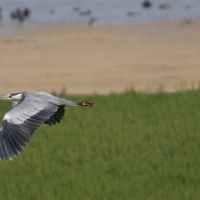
(30, 110)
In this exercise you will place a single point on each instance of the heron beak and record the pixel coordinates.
(5, 98)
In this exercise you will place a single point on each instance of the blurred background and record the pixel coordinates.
(138, 61)
(98, 46)
(107, 12)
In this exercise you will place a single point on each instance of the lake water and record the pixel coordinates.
(107, 12)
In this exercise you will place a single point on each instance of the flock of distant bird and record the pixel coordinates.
(87, 12)
(18, 14)
(148, 4)
(22, 14)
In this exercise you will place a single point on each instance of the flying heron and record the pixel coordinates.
(30, 110)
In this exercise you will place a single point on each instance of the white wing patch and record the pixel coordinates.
(6, 117)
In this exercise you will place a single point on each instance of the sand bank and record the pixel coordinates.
(101, 59)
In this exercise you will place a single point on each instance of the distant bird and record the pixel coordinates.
(30, 110)
(164, 6)
(13, 15)
(52, 11)
(76, 9)
(147, 4)
(188, 7)
(26, 12)
(131, 13)
(92, 21)
(85, 13)
(187, 22)
(17, 15)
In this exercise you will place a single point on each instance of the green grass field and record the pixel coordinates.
(129, 146)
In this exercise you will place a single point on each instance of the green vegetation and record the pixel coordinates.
(129, 146)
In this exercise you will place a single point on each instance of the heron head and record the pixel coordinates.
(12, 97)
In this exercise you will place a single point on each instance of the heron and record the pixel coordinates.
(30, 110)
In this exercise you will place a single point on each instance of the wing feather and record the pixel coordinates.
(20, 123)
(1, 155)
(57, 116)
(5, 156)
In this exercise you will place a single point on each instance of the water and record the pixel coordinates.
(107, 12)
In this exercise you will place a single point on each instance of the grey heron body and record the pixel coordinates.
(30, 110)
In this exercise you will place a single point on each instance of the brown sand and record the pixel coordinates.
(101, 59)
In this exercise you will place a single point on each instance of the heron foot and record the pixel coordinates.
(85, 103)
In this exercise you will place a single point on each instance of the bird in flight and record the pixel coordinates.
(30, 110)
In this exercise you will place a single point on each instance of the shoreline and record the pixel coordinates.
(101, 59)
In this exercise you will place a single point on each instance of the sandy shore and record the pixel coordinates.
(101, 59)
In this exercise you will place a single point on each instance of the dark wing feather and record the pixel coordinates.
(57, 116)
(20, 123)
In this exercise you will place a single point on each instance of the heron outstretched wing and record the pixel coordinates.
(20, 123)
